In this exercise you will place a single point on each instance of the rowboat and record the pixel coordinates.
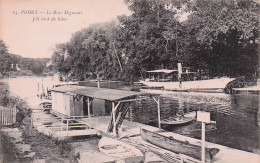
(96, 157)
(177, 146)
(119, 149)
(179, 119)
(176, 120)
(46, 106)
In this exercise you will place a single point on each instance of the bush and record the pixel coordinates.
(6, 99)
(9, 101)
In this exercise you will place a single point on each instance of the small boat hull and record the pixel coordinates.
(119, 149)
(96, 157)
(177, 146)
(210, 85)
(179, 119)
(176, 120)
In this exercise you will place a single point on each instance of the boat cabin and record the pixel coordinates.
(165, 75)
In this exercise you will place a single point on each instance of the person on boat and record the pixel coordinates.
(180, 114)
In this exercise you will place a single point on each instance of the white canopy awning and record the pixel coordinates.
(162, 71)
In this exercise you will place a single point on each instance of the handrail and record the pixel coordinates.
(67, 123)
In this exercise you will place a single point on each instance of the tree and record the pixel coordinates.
(5, 59)
(226, 30)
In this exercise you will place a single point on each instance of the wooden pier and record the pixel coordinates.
(131, 130)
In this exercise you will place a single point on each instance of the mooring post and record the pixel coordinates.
(159, 112)
(98, 83)
(89, 116)
(203, 142)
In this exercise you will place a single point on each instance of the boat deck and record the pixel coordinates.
(254, 89)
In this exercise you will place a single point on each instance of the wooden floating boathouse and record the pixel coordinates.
(80, 102)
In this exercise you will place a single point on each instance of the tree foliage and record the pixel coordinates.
(219, 37)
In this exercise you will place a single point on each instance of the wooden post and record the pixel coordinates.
(61, 123)
(203, 142)
(89, 116)
(203, 117)
(114, 118)
(159, 112)
(98, 83)
(67, 124)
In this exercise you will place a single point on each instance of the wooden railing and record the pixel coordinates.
(8, 116)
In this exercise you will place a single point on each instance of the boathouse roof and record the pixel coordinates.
(66, 88)
(106, 94)
(100, 93)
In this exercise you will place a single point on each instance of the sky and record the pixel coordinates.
(32, 28)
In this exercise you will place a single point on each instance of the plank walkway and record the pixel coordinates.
(51, 125)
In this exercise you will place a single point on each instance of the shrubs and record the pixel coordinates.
(6, 99)
(9, 101)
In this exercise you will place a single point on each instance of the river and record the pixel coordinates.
(237, 116)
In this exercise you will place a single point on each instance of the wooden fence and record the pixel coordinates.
(7, 116)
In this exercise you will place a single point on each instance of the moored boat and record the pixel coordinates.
(177, 146)
(96, 157)
(177, 120)
(184, 79)
(121, 150)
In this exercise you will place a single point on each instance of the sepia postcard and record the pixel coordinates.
(91, 81)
